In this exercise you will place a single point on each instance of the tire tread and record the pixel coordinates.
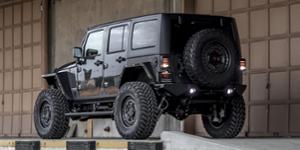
(190, 57)
(234, 124)
(148, 111)
(60, 124)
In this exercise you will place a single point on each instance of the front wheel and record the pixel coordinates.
(135, 110)
(226, 121)
(49, 114)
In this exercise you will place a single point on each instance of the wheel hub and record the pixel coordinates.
(45, 114)
(128, 112)
(218, 117)
(216, 58)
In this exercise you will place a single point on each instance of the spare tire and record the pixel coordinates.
(210, 58)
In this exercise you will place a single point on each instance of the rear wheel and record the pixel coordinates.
(135, 110)
(49, 114)
(227, 120)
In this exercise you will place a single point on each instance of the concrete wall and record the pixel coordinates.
(68, 21)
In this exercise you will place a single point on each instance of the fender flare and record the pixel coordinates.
(50, 78)
(146, 67)
(55, 79)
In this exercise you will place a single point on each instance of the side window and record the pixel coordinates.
(95, 41)
(117, 37)
(145, 34)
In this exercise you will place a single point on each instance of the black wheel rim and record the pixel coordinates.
(45, 114)
(215, 124)
(222, 119)
(216, 57)
(128, 111)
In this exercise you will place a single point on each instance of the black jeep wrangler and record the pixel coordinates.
(136, 69)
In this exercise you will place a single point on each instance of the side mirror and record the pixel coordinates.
(77, 52)
(91, 53)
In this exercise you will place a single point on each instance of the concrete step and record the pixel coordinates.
(79, 144)
(182, 141)
(169, 141)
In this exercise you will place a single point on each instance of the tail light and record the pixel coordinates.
(165, 62)
(243, 64)
(165, 73)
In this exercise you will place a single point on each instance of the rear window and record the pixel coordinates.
(145, 34)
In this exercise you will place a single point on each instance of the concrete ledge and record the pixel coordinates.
(82, 144)
(182, 141)
(53, 143)
(7, 143)
(116, 144)
(30, 144)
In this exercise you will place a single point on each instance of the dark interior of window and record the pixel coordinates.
(117, 37)
(145, 34)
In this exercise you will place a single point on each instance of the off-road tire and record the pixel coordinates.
(234, 122)
(58, 104)
(145, 104)
(197, 60)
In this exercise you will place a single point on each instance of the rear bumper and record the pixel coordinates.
(192, 90)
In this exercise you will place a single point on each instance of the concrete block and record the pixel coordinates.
(27, 145)
(145, 145)
(105, 128)
(81, 128)
(182, 141)
(81, 145)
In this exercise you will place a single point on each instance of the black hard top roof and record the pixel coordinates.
(150, 15)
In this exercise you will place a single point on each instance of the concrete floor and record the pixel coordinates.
(263, 143)
(181, 141)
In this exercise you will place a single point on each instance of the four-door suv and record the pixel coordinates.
(136, 69)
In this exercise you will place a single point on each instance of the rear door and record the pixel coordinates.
(116, 57)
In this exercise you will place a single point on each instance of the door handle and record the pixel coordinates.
(105, 66)
(120, 59)
(98, 63)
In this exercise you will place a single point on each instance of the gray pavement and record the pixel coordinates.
(182, 141)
